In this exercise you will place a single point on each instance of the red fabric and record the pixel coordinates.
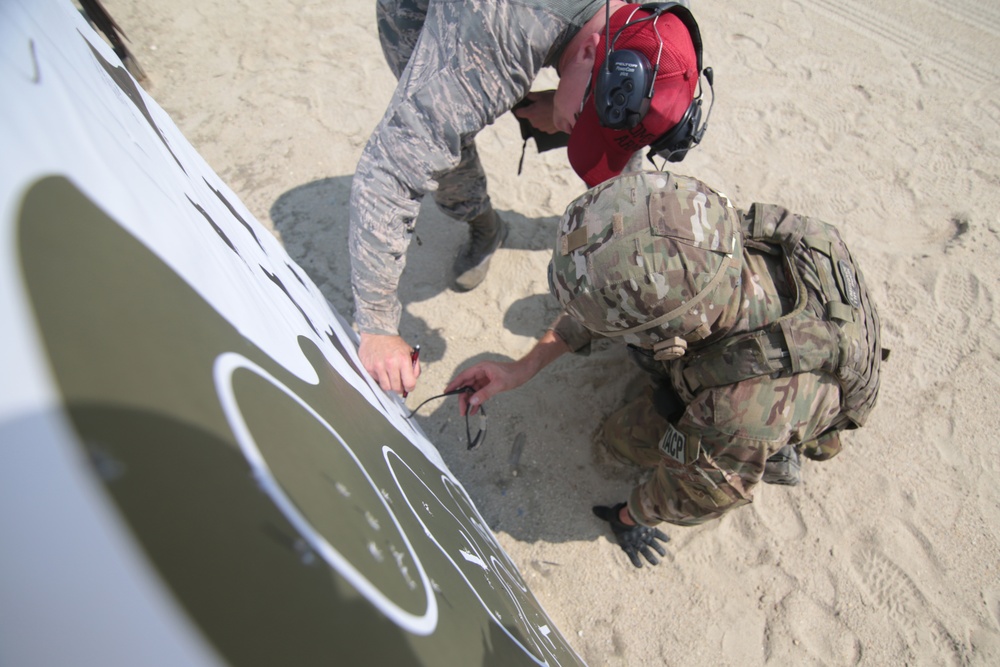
(598, 153)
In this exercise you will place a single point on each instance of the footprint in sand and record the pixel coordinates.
(908, 609)
(991, 597)
(963, 307)
(829, 642)
(778, 510)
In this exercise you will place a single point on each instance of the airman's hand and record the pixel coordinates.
(387, 359)
(539, 112)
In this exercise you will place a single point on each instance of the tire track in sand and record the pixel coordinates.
(863, 19)
(976, 13)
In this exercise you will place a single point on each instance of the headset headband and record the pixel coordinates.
(686, 17)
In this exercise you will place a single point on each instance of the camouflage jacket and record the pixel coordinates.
(709, 459)
(473, 62)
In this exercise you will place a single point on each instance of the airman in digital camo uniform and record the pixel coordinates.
(756, 327)
(460, 66)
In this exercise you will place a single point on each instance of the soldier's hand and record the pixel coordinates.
(633, 540)
(487, 378)
(388, 360)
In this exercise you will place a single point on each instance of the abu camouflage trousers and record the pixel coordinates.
(461, 193)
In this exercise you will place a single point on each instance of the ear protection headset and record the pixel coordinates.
(624, 86)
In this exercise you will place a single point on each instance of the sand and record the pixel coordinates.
(880, 117)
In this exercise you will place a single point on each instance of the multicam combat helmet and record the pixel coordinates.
(651, 257)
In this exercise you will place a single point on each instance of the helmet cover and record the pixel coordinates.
(647, 256)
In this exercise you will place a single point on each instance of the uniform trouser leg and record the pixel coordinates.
(632, 433)
(399, 25)
(461, 195)
(461, 192)
(684, 494)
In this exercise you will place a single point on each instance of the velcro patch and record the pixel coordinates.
(575, 239)
(674, 444)
(849, 284)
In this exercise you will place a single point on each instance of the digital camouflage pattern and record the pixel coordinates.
(792, 358)
(647, 257)
(460, 66)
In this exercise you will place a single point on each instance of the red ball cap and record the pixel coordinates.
(598, 153)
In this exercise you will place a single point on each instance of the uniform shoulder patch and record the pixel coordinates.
(674, 444)
(850, 284)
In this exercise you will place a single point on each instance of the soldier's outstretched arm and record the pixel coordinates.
(490, 378)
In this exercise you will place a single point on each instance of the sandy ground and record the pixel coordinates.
(881, 117)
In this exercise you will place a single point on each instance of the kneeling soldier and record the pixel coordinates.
(756, 327)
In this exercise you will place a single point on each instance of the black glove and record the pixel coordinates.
(633, 539)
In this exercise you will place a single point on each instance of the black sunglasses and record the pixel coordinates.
(481, 435)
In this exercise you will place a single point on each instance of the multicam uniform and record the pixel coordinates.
(460, 66)
(735, 397)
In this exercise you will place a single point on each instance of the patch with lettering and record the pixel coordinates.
(849, 283)
(674, 444)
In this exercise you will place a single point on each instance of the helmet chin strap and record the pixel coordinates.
(668, 350)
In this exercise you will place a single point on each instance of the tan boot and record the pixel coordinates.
(486, 233)
(784, 467)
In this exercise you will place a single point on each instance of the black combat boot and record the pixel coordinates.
(784, 467)
(486, 233)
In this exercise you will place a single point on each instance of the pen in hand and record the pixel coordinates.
(414, 356)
